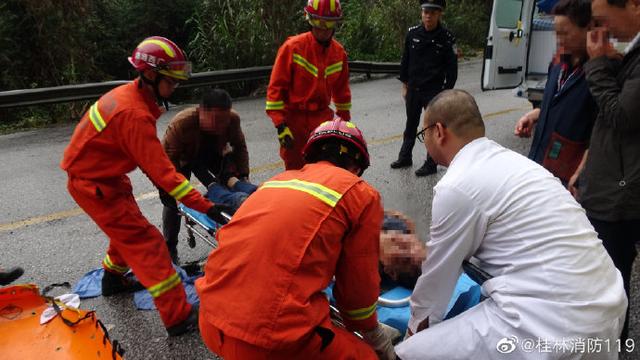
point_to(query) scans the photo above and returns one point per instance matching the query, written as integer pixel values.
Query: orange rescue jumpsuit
(262, 294)
(305, 78)
(115, 136)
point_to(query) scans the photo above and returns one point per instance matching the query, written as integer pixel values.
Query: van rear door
(506, 50)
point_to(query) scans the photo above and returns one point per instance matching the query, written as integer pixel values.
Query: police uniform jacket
(429, 61)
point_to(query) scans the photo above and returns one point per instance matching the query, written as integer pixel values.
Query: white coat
(554, 287)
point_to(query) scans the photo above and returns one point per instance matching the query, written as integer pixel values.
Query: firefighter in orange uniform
(262, 293)
(116, 135)
(310, 71)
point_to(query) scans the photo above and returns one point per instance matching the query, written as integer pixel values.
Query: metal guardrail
(68, 93)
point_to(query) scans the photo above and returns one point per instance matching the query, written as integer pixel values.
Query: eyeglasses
(420, 135)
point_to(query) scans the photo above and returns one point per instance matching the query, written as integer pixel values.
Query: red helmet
(341, 130)
(162, 55)
(323, 13)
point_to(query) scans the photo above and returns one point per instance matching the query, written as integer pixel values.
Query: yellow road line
(153, 194)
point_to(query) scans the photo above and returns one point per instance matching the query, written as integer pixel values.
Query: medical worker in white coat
(555, 293)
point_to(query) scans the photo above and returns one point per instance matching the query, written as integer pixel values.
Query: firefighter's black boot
(113, 284)
(186, 325)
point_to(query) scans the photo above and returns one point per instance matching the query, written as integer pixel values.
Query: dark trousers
(218, 194)
(620, 238)
(415, 102)
(170, 216)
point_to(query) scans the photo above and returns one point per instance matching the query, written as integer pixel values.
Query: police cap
(433, 4)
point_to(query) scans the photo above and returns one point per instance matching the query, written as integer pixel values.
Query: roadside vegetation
(59, 42)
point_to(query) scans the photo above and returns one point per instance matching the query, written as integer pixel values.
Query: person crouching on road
(262, 294)
(310, 71)
(114, 137)
(197, 141)
(552, 280)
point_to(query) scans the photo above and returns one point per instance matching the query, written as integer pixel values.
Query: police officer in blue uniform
(429, 65)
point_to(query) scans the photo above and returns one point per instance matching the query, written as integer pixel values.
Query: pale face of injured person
(401, 251)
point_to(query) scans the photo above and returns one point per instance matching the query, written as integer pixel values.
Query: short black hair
(578, 11)
(618, 3)
(216, 98)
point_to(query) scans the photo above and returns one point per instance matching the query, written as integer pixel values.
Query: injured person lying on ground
(401, 255)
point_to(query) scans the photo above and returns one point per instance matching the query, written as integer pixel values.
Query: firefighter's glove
(381, 340)
(285, 136)
(215, 213)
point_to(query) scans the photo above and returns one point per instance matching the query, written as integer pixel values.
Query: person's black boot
(186, 325)
(428, 168)
(10, 275)
(113, 284)
(401, 163)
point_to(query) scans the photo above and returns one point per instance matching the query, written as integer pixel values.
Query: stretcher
(393, 305)
(201, 226)
(71, 334)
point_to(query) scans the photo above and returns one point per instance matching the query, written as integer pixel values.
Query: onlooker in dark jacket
(208, 142)
(610, 182)
(563, 123)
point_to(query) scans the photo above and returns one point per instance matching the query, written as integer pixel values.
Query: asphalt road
(43, 230)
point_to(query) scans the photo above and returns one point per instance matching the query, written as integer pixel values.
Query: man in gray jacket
(610, 182)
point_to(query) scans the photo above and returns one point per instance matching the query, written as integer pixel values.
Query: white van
(520, 46)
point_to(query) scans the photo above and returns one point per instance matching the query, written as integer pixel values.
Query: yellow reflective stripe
(95, 117)
(361, 314)
(343, 106)
(167, 49)
(333, 5)
(298, 59)
(110, 265)
(181, 190)
(275, 105)
(315, 4)
(165, 285)
(332, 69)
(323, 193)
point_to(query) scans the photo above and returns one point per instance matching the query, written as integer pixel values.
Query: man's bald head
(458, 112)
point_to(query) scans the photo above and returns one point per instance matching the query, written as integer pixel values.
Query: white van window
(508, 13)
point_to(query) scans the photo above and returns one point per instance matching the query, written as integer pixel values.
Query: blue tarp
(91, 286)
(144, 301)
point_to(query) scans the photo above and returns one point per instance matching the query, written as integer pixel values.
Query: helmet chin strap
(154, 84)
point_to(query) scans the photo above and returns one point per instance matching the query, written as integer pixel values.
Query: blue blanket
(465, 295)
(90, 285)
